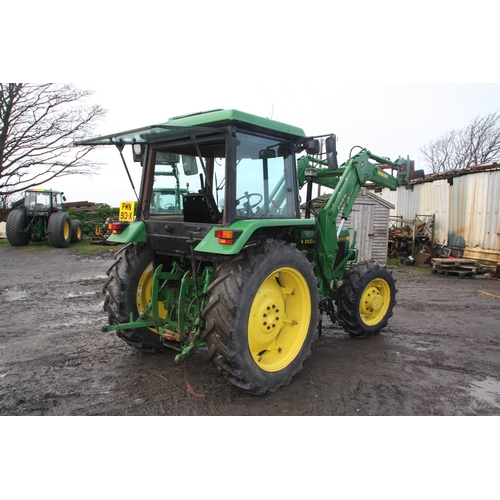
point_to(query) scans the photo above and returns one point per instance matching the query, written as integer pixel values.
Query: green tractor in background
(39, 215)
(242, 270)
(167, 199)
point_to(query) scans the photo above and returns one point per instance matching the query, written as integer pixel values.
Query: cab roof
(202, 122)
(41, 190)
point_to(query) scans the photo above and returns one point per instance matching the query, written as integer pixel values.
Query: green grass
(82, 248)
(415, 270)
(37, 246)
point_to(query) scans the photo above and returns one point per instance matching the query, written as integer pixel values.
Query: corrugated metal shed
(466, 206)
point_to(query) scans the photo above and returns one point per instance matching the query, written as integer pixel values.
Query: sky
(390, 119)
(383, 75)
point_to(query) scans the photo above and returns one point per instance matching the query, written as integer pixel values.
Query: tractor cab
(239, 166)
(167, 201)
(42, 202)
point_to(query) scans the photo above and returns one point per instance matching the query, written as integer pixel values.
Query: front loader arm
(362, 169)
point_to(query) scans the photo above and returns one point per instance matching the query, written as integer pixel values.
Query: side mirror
(189, 165)
(331, 152)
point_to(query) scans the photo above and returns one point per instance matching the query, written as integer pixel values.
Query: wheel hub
(270, 313)
(374, 301)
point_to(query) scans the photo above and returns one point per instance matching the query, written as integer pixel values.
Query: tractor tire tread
(76, 231)
(14, 228)
(223, 312)
(349, 294)
(56, 230)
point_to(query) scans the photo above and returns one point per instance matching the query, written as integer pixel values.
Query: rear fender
(243, 231)
(135, 232)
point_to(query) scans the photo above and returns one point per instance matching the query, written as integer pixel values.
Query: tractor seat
(201, 207)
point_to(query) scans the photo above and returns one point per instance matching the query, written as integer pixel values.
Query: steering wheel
(248, 195)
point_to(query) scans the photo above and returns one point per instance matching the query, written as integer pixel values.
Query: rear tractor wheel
(14, 228)
(76, 231)
(262, 317)
(59, 230)
(366, 299)
(128, 290)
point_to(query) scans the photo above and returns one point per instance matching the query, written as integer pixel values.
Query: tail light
(116, 227)
(227, 236)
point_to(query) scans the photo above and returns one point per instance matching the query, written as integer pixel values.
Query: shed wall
(466, 210)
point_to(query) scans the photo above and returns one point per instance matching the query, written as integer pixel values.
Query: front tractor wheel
(128, 290)
(366, 299)
(262, 317)
(59, 230)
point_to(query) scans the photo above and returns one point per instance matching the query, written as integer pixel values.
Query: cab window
(265, 184)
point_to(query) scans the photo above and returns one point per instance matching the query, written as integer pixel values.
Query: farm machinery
(242, 271)
(165, 199)
(39, 215)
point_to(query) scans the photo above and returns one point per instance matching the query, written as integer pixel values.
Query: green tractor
(242, 271)
(40, 215)
(166, 199)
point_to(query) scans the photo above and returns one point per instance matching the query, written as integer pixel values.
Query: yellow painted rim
(79, 232)
(67, 230)
(375, 302)
(279, 319)
(144, 293)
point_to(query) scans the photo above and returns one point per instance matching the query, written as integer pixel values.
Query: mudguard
(135, 232)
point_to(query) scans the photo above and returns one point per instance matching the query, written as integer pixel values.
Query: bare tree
(478, 142)
(38, 125)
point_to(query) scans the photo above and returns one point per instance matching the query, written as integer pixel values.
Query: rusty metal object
(496, 274)
(423, 259)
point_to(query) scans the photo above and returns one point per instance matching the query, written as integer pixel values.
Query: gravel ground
(440, 354)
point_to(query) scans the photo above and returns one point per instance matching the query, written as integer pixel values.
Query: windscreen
(37, 201)
(265, 184)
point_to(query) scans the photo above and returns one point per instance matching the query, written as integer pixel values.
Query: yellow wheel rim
(279, 319)
(66, 230)
(375, 302)
(143, 294)
(78, 232)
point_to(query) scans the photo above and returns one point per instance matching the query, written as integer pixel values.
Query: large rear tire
(366, 299)
(59, 230)
(76, 231)
(128, 290)
(14, 227)
(262, 316)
